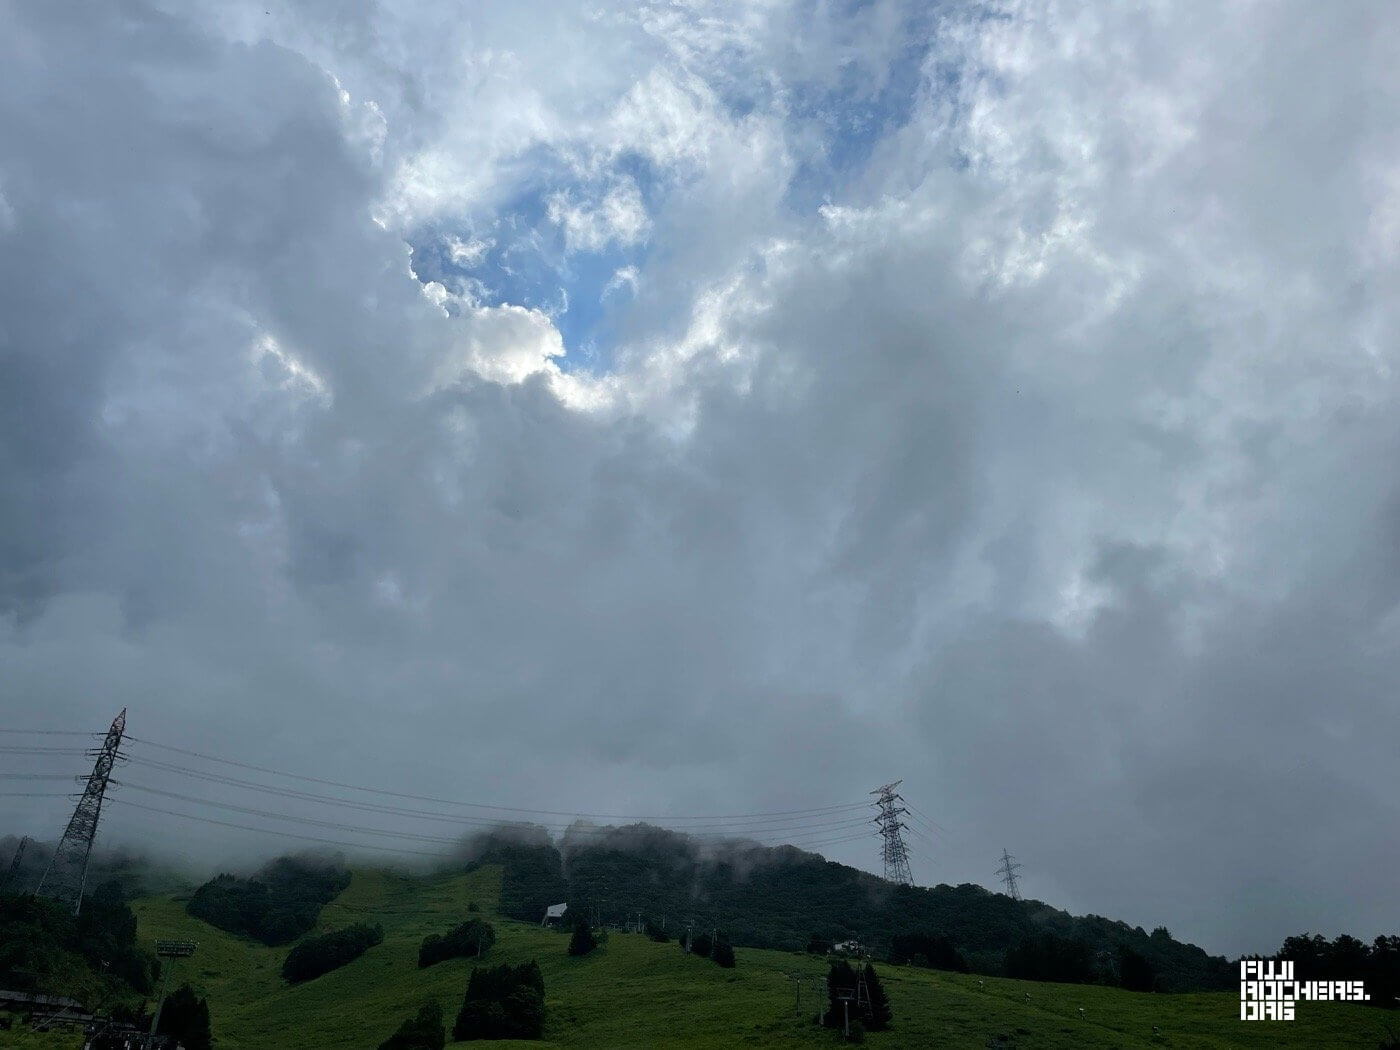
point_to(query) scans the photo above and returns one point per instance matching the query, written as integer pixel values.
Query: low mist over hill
(779, 897)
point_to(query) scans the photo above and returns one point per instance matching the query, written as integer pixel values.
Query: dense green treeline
(44, 948)
(330, 951)
(275, 906)
(780, 898)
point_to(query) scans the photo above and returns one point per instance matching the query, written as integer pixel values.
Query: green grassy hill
(633, 992)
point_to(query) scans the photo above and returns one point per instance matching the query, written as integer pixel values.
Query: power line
(40, 776)
(282, 834)
(481, 805)
(803, 829)
(270, 831)
(821, 833)
(753, 823)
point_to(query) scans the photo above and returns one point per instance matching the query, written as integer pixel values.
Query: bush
(319, 955)
(424, 1032)
(1134, 971)
(1051, 958)
(701, 944)
(880, 1016)
(583, 941)
(471, 938)
(926, 949)
(722, 952)
(276, 906)
(656, 933)
(185, 1018)
(503, 1002)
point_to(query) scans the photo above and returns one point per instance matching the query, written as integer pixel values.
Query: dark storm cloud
(1045, 467)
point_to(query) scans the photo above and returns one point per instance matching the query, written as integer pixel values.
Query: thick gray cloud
(1002, 399)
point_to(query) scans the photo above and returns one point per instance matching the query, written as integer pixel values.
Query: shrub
(722, 952)
(424, 1032)
(319, 955)
(701, 944)
(471, 938)
(583, 941)
(502, 1002)
(656, 933)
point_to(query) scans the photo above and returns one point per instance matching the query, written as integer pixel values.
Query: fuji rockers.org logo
(1268, 990)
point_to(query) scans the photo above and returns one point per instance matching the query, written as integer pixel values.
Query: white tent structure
(554, 913)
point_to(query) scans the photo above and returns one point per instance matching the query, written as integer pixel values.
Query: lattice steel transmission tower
(893, 852)
(12, 876)
(1007, 871)
(66, 876)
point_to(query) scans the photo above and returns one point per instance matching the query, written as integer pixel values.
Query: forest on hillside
(781, 897)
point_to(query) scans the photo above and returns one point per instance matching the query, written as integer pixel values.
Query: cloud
(619, 217)
(1004, 403)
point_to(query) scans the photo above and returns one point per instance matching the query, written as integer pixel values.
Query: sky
(682, 408)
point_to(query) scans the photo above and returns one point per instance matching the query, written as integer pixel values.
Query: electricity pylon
(1007, 871)
(66, 876)
(893, 851)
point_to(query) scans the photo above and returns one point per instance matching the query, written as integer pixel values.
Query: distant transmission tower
(1007, 871)
(66, 876)
(12, 876)
(893, 852)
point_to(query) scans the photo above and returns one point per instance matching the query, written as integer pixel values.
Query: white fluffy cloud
(1004, 403)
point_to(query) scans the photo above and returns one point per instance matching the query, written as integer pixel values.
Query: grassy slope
(636, 993)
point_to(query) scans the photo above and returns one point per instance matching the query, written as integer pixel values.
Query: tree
(185, 1018)
(471, 939)
(44, 948)
(1134, 971)
(583, 941)
(319, 955)
(840, 985)
(277, 905)
(879, 1015)
(1051, 958)
(656, 933)
(701, 944)
(722, 952)
(926, 949)
(424, 1032)
(818, 945)
(503, 1002)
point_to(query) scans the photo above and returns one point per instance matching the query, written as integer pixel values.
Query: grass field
(633, 992)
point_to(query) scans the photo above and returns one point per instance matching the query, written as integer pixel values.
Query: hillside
(778, 897)
(633, 992)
